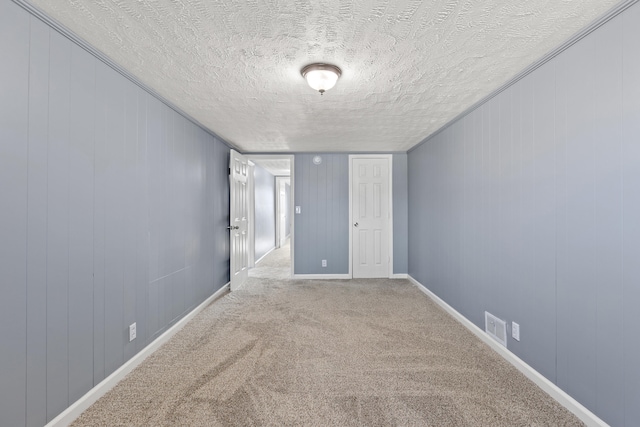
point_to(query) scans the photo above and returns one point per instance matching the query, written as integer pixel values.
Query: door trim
(389, 157)
(251, 188)
(281, 181)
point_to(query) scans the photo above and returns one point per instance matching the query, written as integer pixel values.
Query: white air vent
(496, 328)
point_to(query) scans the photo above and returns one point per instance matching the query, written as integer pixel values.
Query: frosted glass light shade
(321, 77)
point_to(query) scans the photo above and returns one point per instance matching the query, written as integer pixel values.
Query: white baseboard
(74, 411)
(585, 415)
(262, 257)
(340, 276)
(321, 276)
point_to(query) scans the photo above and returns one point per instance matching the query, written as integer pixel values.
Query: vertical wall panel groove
(36, 396)
(81, 172)
(58, 227)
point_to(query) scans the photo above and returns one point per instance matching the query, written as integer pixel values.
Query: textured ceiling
(409, 66)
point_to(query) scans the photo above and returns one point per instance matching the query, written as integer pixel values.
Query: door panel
(371, 217)
(239, 180)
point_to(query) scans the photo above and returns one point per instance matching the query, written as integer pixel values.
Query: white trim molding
(74, 411)
(585, 415)
(321, 276)
(399, 276)
(263, 256)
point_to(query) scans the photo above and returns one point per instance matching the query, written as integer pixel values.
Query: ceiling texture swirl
(408, 66)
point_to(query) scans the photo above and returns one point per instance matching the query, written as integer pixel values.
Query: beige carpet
(324, 353)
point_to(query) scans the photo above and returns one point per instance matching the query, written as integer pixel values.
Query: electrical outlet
(324, 262)
(515, 331)
(132, 332)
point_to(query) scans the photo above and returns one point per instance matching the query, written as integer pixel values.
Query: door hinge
(229, 171)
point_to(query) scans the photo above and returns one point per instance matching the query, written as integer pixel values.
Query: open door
(239, 179)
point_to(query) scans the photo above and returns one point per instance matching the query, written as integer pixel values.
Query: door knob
(232, 227)
(355, 225)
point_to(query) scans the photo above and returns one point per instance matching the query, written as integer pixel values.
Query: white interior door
(371, 217)
(239, 179)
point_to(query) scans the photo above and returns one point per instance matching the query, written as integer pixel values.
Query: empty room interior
(282, 212)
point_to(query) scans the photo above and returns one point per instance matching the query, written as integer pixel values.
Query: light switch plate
(298, 210)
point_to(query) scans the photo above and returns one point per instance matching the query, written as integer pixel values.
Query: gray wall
(265, 211)
(529, 207)
(114, 210)
(322, 229)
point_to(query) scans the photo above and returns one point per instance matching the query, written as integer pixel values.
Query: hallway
(275, 265)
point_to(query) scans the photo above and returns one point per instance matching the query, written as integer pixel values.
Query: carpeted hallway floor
(324, 353)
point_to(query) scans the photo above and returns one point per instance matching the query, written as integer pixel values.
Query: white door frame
(281, 181)
(252, 215)
(351, 221)
(291, 159)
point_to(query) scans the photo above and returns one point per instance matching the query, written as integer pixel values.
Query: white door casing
(282, 211)
(371, 229)
(239, 177)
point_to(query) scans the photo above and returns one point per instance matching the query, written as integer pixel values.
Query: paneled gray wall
(265, 211)
(114, 210)
(322, 229)
(529, 207)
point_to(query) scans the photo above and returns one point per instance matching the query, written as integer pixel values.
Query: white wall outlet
(515, 331)
(298, 209)
(324, 262)
(132, 331)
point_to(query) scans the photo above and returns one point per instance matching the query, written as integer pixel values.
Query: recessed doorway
(271, 210)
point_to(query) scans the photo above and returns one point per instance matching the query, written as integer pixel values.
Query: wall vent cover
(496, 328)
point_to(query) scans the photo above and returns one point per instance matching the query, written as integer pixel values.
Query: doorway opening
(271, 220)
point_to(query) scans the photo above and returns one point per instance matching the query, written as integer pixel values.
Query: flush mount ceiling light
(321, 77)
